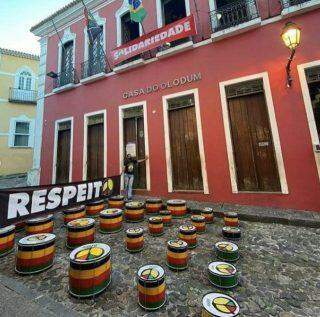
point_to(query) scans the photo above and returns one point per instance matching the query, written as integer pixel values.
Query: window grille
(181, 102)
(244, 88)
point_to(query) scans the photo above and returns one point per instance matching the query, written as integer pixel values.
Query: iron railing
(93, 67)
(64, 78)
(233, 14)
(289, 3)
(22, 96)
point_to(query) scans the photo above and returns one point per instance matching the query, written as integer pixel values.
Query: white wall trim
(308, 106)
(146, 138)
(55, 149)
(85, 141)
(101, 22)
(273, 125)
(12, 128)
(165, 99)
(67, 37)
(160, 11)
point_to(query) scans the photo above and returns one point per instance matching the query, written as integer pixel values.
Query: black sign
(19, 204)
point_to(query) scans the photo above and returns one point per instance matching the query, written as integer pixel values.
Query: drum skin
(110, 220)
(222, 275)
(80, 232)
(134, 212)
(74, 213)
(134, 240)
(188, 233)
(116, 202)
(7, 236)
(166, 217)
(93, 209)
(232, 233)
(177, 254)
(153, 205)
(227, 251)
(39, 225)
(199, 222)
(156, 226)
(231, 219)
(177, 207)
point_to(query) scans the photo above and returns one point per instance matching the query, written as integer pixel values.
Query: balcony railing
(93, 67)
(64, 78)
(233, 14)
(289, 3)
(22, 96)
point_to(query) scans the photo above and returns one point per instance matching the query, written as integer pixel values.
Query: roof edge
(6, 51)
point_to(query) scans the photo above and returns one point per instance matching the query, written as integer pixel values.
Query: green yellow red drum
(227, 251)
(90, 270)
(188, 233)
(134, 240)
(153, 205)
(231, 219)
(80, 232)
(233, 233)
(199, 222)
(207, 212)
(134, 211)
(155, 226)
(94, 208)
(151, 287)
(222, 274)
(116, 202)
(177, 207)
(39, 225)
(74, 213)
(177, 254)
(219, 305)
(7, 235)
(110, 220)
(166, 217)
(35, 253)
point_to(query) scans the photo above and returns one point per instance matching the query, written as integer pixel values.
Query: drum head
(155, 219)
(7, 229)
(134, 231)
(220, 305)
(222, 268)
(176, 202)
(177, 244)
(150, 273)
(207, 210)
(78, 208)
(81, 223)
(226, 246)
(90, 252)
(40, 219)
(231, 214)
(198, 218)
(187, 228)
(235, 230)
(111, 212)
(118, 197)
(154, 200)
(135, 204)
(37, 239)
(165, 212)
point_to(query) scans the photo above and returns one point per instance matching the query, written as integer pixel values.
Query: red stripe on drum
(90, 282)
(88, 238)
(152, 298)
(34, 262)
(176, 261)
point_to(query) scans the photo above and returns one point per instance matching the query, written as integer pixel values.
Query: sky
(18, 16)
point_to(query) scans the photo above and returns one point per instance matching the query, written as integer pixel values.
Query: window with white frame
(21, 134)
(25, 80)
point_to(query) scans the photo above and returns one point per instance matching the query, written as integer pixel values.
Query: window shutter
(11, 132)
(31, 133)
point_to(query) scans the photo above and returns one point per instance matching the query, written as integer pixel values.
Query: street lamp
(291, 35)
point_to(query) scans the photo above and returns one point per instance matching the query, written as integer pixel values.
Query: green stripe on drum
(177, 266)
(89, 292)
(228, 256)
(223, 281)
(114, 230)
(152, 306)
(34, 269)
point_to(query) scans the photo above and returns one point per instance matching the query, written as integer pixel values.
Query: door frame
(309, 111)
(195, 93)
(273, 126)
(55, 149)
(146, 139)
(86, 116)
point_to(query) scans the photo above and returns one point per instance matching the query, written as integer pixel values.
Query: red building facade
(212, 111)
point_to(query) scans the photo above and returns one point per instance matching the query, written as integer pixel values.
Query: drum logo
(107, 187)
(40, 237)
(225, 247)
(224, 305)
(226, 269)
(79, 222)
(90, 253)
(150, 274)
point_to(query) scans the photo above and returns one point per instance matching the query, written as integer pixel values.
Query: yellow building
(18, 98)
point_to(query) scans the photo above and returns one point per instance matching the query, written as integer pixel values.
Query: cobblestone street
(278, 267)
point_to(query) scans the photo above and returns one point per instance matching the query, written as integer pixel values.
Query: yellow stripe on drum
(231, 219)
(153, 205)
(80, 234)
(39, 227)
(75, 216)
(134, 240)
(111, 220)
(151, 290)
(176, 208)
(135, 211)
(155, 226)
(86, 274)
(93, 208)
(7, 238)
(187, 236)
(177, 255)
(28, 255)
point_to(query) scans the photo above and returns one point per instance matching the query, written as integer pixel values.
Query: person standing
(130, 164)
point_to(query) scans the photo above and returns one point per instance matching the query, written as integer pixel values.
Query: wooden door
(95, 151)
(63, 156)
(184, 145)
(134, 133)
(253, 147)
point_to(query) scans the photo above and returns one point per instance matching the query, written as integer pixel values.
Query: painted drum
(20, 226)
(90, 270)
(207, 212)
(116, 202)
(155, 226)
(111, 220)
(219, 305)
(177, 207)
(199, 222)
(74, 213)
(222, 274)
(188, 233)
(233, 233)
(134, 240)
(134, 211)
(7, 240)
(39, 225)
(177, 254)
(94, 208)
(151, 287)
(227, 251)
(231, 219)
(153, 205)
(80, 232)
(35, 253)
(166, 217)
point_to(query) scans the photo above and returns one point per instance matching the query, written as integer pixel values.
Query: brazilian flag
(137, 11)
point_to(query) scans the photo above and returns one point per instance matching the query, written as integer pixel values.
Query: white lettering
(187, 26)
(90, 188)
(82, 192)
(38, 201)
(17, 205)
(54, 198)
(97, 186)
(69, 192)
